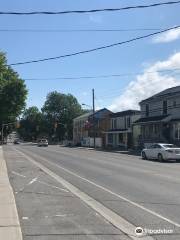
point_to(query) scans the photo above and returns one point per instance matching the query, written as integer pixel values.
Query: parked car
(161, 151)
(16, 141)
(42, 143)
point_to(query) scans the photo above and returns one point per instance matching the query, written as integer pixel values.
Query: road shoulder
(9, 221)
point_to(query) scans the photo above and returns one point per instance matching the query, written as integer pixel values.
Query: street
(51, 185)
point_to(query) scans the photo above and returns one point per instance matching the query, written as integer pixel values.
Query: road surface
(110, 192)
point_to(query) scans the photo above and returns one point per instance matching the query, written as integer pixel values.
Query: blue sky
(131, 58)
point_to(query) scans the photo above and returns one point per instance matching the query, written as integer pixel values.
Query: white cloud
(148, 84)
(169, 36)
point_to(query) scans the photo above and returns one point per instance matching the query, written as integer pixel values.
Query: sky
(141, 65)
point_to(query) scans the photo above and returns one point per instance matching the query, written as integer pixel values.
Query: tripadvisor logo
(139, 231)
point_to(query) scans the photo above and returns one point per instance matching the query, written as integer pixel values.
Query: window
(164, 107)
(174, 103)
(115, 123)
(128, 122)
(120, 137)
(177, 131)
(110, 138)
(147, 110)
(125, 125)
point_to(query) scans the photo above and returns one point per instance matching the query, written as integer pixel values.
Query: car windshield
(169, 146)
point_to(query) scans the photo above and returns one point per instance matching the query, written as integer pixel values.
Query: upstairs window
(147, 110)
(164, 107)
(128, 122)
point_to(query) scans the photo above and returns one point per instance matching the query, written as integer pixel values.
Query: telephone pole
(94, 132)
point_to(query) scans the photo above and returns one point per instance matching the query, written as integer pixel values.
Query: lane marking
(32, 181)
(112, 217)
(103, 160)
(109, 191)
(49, 185)
(18, 174)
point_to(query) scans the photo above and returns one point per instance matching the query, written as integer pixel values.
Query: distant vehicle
(161, 151)
(42, 143)
(16, 141)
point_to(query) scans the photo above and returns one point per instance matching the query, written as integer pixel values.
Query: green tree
(60, 110)
(13, 92)
(32, 124)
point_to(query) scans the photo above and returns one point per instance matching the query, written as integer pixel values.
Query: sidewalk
(9, 221)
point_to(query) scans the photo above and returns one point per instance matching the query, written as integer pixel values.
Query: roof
(166, 92)
(85, 115)
(151, 119)
(125, 113)
(90, 113)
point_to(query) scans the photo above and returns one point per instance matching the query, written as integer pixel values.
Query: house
(160, 118)
(120, 134)
(89, 126)
(79, 130)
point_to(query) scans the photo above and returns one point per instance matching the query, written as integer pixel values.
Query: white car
(42, 143)
(161, 151)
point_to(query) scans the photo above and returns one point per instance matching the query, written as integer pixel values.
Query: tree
(60, 110)
(32, 124)
(13, 92)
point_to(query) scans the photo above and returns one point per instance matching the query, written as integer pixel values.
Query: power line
(88, 11)
(102, 76)
(80, 30)
(95, 49)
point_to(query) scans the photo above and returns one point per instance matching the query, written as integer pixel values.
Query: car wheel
(160, 157)
(144, 156)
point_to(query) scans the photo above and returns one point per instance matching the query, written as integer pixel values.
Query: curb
(9, 221)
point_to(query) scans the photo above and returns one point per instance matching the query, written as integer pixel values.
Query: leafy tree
(60, 110)
(32, 124)
(13, 92)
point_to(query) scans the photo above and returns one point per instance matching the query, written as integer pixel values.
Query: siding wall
(122, 122)
(156, 106)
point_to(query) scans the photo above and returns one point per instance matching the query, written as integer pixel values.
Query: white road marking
(109, 191)
(49, 185)
(18, 174)
(25, 218)
(32, 181)
(108, 214)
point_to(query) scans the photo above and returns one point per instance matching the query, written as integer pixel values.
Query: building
(160, 118)
(88, 126)
(120, 133)
(79, 130)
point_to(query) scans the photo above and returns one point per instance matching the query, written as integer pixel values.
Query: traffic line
(112, 217)
(9, 221)
(109, 191)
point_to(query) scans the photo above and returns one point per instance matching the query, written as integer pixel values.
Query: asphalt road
(143, 193)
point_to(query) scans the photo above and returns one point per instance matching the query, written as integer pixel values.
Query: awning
(161, 118)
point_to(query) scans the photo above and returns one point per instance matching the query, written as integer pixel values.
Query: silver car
(161, 151)
(42, 143)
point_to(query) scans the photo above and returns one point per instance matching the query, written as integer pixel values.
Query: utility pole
(94, 132)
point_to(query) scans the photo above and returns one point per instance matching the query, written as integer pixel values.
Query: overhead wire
(89, 11)
(102, 76)
(95, 49)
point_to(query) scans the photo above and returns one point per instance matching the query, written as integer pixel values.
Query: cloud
(169, 36)
(148, 84)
